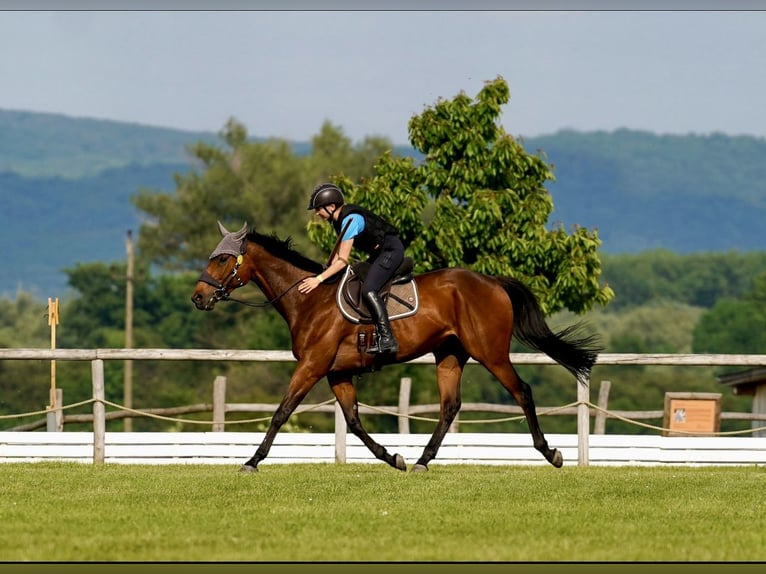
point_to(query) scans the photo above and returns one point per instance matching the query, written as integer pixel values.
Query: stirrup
(391, 347)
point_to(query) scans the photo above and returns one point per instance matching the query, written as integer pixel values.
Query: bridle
(223, 289)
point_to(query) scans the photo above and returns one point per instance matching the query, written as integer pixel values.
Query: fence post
(59, 410)
(583, 421)
(219, 403)
(99, 411)
(50, 421)
(405, 385)
(55, 416)
(340, 435)
(759, 406)
(599, 425)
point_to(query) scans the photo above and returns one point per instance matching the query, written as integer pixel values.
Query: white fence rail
(458, 448)
(606, 449)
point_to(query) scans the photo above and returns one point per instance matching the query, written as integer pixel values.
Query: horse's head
(226, 270)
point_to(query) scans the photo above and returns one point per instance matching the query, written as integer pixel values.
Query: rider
(371, 234)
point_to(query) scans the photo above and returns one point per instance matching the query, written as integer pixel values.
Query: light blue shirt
(355, 227)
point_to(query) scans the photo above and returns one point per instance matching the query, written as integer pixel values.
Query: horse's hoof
(556, 459)
(419, 468)
(399, 462)
(248, 468)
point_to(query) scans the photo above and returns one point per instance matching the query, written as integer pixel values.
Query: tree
(654, 328)
(333, 153)
(266, 184)
(257, 182)
(478, 200)
(23, 384)
(735, 325)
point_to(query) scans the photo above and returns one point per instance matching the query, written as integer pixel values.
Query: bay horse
(463, 314)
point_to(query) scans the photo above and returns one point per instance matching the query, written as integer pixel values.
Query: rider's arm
(340, 260)
(337, 264)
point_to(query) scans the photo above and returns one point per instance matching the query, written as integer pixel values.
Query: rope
(152, 415)
(46, 411)
(692, 433)
(519, 418)
(557, 409)
(192, 421)
(462, 421)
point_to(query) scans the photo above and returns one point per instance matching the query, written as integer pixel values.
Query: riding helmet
(325, 194)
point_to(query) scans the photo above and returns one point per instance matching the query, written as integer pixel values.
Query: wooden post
(59, 413)
(340, 435)
(405, 385)
(99, 411)
(53, 320)
(128, 378)
(55, 415)
(599, 425)
(583, 421)
(455, 426)
(219, 403)
(759, 407)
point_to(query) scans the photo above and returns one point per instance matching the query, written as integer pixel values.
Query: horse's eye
(222, 259)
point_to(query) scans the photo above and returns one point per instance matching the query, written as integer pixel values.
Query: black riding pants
(384, 264)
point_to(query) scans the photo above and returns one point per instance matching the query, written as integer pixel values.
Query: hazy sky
(282, 73)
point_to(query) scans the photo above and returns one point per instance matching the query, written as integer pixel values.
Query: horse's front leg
(344, 390)
(303, 380)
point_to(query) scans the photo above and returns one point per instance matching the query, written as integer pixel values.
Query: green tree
(332, 152)
(735, 325)
(23, 384)
(23, 322)
(478, 200)
(258, 182)
(654, 328)
(264, 183)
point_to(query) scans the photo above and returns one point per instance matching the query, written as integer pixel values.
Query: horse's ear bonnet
(232, 242)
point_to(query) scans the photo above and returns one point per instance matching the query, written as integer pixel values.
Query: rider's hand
(309, 284)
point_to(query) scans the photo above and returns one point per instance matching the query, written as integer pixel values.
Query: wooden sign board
(697, 414)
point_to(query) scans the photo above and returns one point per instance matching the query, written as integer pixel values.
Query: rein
(265, 303)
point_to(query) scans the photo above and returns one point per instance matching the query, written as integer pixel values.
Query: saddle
(400, 294)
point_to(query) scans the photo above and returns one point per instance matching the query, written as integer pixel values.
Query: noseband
(221, 293)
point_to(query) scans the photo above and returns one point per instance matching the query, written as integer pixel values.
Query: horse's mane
(283, 249)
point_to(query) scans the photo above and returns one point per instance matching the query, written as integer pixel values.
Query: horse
(462, 314)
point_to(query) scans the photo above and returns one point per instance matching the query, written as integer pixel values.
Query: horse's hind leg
(345, 392)
(450, 361)
(522, 393)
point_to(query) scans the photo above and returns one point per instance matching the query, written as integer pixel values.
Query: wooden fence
(583, 408)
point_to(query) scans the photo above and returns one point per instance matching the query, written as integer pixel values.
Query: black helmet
(325, 194)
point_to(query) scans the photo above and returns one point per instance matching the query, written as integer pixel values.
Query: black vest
(375, 228)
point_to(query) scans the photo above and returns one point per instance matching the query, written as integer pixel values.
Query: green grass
(369, 512)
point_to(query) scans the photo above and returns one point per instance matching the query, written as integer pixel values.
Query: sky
(283, 73)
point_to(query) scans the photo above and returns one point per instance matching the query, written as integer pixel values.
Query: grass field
(369, 512)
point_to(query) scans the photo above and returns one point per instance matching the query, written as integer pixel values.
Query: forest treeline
(652, 301)
(641, 191)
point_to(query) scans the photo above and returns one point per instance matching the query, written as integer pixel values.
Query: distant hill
(65, 185)
(39, 145)
(643, 191)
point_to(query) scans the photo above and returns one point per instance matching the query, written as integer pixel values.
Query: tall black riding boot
(386, 342)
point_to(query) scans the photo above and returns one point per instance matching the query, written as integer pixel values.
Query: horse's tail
(568, 347)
